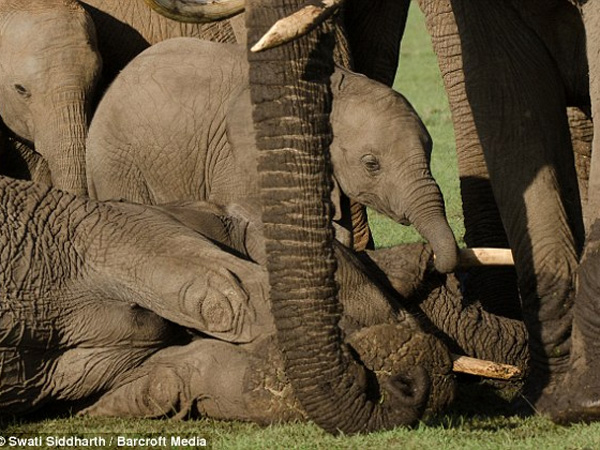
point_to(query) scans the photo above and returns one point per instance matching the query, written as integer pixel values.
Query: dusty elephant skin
(201, 146)
(137, 360)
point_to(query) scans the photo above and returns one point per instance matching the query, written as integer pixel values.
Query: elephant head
(49, 66)
(386, 165)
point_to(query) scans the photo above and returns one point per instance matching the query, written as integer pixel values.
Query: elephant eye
(21, 90)
(371, 163)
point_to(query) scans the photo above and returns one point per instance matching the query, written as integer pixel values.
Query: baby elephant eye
(21, 90)
(371, 163)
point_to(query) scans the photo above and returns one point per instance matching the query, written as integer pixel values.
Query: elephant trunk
(61, 141)
(425, 210)
(290, 92)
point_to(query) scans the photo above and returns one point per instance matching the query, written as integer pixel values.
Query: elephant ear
(241, 138)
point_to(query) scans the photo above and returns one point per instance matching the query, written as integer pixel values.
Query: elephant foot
(578, 398)
(538, 397)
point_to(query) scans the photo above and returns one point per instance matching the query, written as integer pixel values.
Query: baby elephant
(177, 125)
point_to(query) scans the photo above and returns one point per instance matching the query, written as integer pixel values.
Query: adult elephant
(510, 121)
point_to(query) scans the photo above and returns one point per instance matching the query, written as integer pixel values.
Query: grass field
(477, 421)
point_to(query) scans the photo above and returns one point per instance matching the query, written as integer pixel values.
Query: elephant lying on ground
(176, 125)
(122, 309)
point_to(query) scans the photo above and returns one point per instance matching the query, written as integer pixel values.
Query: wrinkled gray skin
(186, 329)
(176, 125)
(101, 304)
(49, 68)
(56, 56)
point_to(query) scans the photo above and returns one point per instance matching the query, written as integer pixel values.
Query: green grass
(454, 432)
(477, 422)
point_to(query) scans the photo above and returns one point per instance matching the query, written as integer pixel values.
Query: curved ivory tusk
(197, 11)
(472, 257)
(483, 368)
(296, 25)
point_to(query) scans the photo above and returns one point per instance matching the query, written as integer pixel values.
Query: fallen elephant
(121, 309)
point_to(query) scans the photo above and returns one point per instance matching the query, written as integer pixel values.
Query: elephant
(527, 127)
(125, 29)
(167, 131)
(516, 163)
(50, 66)
(187, 330)
(57, 58)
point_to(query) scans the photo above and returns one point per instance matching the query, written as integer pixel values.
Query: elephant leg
(591, 18)
(483, 225)
(517, 104)
(525, 139)
(578, 398)
(206, 378)
(383, 22)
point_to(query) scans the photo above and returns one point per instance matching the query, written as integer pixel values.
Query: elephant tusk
(483, 368)
(197, 11)
(473, 257)
(297, 24)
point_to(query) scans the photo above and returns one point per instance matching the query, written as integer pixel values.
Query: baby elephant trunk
(425, 210)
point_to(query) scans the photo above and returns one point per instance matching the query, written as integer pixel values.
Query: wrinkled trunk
(291, 98)
(60, 138)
